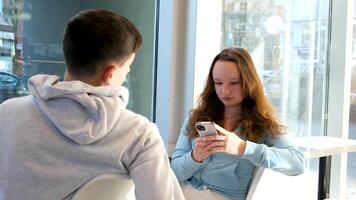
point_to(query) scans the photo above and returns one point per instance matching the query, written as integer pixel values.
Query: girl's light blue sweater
(230, 175)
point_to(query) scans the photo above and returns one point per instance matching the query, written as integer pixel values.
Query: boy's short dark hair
(96, 36)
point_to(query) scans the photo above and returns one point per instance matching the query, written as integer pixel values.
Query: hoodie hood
(82, 112)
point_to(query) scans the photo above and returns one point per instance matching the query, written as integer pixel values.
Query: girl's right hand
(200, 152)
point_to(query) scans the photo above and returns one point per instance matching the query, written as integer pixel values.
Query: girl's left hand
(226, 141)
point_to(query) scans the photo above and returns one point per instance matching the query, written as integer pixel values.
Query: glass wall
(30, 43)
(351, 160)
(288, 41)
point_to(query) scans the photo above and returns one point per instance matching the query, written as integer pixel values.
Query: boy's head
(93, 39)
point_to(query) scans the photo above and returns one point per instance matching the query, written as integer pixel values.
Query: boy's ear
(107, 74)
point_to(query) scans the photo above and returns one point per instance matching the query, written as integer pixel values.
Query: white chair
(257, 174)
(270, 184)
(107, 187)
(120, 187)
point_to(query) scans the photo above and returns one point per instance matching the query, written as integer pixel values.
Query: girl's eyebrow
(232, 79)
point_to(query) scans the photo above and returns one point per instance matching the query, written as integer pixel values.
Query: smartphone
(206, 128)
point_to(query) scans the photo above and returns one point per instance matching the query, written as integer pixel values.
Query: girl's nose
(226, 89)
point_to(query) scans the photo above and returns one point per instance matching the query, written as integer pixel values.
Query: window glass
(351, 160)
(288, 42)
(31, 33)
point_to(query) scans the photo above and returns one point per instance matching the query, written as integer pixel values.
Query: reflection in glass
(31, 34)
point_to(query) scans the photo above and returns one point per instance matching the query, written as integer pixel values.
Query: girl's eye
(235, 82)
(217, 83)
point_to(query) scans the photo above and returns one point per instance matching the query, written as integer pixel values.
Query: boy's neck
(91, 81)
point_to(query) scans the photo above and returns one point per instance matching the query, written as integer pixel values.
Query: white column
(164, 61)
(175, 66)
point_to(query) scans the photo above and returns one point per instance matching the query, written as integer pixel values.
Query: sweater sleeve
(151, 172)
(278, 154)
(182, 163)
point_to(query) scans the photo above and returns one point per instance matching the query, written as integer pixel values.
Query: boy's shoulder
(136, 124)
(16, 103)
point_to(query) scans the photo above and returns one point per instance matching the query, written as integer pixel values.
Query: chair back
(107, 187)
(257, 174)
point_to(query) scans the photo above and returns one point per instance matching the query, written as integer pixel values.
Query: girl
(221, 166)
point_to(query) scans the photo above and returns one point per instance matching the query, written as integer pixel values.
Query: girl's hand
(200, 152)
(226, 141)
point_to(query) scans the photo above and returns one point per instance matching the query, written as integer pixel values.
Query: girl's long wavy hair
(258, 116)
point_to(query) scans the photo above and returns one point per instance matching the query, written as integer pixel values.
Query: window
(288, 41)
(351, 160)
(31, 41)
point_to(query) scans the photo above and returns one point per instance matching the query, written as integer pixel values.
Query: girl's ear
(107, 74)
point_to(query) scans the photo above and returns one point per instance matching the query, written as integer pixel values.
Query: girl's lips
(226, 98)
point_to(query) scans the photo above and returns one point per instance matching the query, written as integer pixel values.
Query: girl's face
(227, 83)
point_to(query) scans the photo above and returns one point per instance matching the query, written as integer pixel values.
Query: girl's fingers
(216, 144)
(213, 137)
(202, 143)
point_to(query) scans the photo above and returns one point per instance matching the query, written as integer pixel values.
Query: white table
(323, 147)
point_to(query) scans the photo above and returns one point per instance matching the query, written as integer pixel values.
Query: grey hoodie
(67, 132)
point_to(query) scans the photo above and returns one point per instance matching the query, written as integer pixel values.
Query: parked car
(11, 86)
